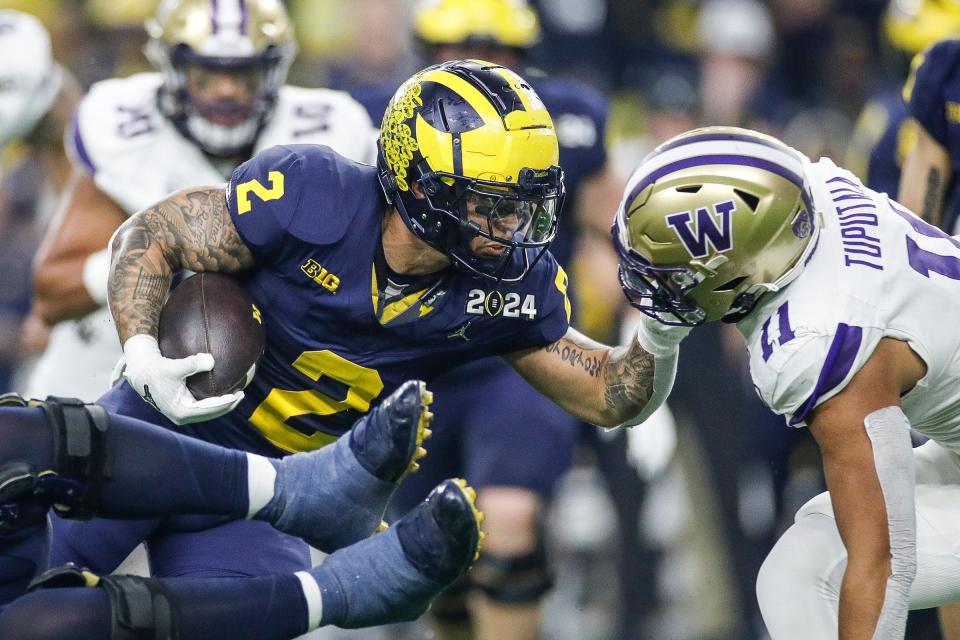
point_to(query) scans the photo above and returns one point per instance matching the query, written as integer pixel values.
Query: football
(212, 313)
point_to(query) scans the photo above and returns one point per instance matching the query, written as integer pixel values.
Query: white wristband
(96, 275)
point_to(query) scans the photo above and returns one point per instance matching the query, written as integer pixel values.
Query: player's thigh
(513, 436)
(204, 547)
(936, 464)
(99, 544)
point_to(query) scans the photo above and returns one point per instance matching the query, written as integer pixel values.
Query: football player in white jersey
(849, 304)
(218, 97)
(37, 97)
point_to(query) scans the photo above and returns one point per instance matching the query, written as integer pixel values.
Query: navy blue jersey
(312, 220)
(579, 115)
(883, 138)
(933, 93)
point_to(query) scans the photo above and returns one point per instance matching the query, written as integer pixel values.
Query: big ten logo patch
(495, 304)
(319, 274)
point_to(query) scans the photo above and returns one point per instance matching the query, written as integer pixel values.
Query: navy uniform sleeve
(549, 286)
(291, 195)
(923, 91)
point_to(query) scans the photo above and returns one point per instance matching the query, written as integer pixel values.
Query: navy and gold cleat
(388, 440)
(394, 575)
(336, 496)
(442, 536)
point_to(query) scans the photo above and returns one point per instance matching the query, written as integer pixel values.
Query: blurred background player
(38, 97)
(928, 184)
(514, 450)
(884, 134)
(217, 97)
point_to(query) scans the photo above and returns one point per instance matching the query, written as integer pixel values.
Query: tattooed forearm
(933, 196)
(575, 357)
(628, 380)
(189, 230)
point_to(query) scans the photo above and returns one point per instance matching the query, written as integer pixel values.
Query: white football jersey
(137, 157)
(877, 270)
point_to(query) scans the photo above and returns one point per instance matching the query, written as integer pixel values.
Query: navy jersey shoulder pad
(304, 192)
(923, 90)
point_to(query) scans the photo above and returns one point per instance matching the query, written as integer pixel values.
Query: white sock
(261, 483)
(311, 593)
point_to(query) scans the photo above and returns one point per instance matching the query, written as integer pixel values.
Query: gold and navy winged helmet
(466, 151)
(501, 23)
(251, 38)
(711, 220)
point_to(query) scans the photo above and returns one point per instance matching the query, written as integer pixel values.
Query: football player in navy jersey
(515, 451)
(365, 276)
(83, 461)
(885, 134)
(928, 184)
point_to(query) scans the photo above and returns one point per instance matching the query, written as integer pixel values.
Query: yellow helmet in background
(249, 37)
(466, 146)
(502, 23)
(913, 25)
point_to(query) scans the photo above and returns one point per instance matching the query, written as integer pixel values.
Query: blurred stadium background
(660, 537)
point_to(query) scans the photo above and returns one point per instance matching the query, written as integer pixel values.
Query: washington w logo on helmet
(712, 219)
(468, 156)
(707, 232)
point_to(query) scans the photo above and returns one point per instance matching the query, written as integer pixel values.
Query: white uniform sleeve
(797, 376)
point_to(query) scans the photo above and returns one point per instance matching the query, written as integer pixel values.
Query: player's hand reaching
(162, 382)
(659, 339)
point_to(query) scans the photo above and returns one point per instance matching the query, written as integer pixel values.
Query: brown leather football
(212, 313)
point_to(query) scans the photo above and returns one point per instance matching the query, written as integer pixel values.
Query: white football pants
(798, 586)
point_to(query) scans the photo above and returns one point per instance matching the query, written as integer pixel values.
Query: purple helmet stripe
(214, 26)
(745, 161)
(243, 16)
(840, 358)
(79, 147)
(723, 137)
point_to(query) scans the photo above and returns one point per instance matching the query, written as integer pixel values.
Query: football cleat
(336, 496)
(388, 441)
(394, 575)
(442, 536)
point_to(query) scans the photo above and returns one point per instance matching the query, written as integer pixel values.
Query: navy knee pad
(513, 579)
(82, 460)
(141, 608)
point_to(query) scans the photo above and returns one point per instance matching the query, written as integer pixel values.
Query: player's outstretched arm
(603, 385)
(192, 230)
(189, 230)
(70, 270)
(926, 174)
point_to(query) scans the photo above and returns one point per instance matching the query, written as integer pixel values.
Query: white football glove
(659, 339)
(162, 382)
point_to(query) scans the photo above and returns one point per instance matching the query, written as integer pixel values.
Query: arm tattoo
(576, 357)
(628, 380)
(932, 196)
(189, 230)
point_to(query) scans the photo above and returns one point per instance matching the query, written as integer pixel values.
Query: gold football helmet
(711, 220)
(223, 62)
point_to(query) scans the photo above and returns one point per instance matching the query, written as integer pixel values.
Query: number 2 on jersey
(244, 189)
(270, 416)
